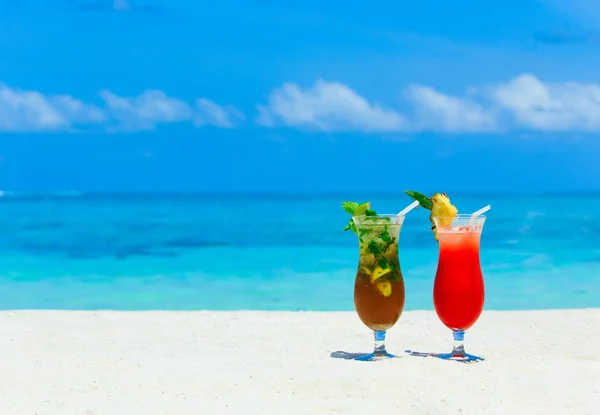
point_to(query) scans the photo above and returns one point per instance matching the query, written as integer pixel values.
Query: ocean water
(276, 253)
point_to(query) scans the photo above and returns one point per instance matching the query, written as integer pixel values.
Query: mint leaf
(361, 233)
(350, 207)
(424, 201)
(356, 209)
(383, 262)
(385, 235)
(350, 227)
(374, 248)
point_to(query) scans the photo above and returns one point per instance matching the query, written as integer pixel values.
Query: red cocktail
(458, 291)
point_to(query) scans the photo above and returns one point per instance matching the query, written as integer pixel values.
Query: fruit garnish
(375, 274)
(365, 270)
(378, 272)
(376, 242)
(361, 209)
(440, 207)
(385, 288)
(356, 209)
(443, 209)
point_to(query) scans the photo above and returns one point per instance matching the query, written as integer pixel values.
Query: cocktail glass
(379, 286)
(458, 291)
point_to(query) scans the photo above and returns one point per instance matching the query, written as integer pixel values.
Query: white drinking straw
(480, 211)
(407, 209)
(477, 213)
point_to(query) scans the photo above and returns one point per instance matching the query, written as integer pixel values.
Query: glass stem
(379, 344)
(458, 349)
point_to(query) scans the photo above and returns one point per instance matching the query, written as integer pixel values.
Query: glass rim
(379, 215)
(387, 219)
(460, 216)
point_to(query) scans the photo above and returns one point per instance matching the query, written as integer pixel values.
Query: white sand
(159, 363)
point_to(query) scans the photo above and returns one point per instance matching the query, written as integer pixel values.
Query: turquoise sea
(128, 252)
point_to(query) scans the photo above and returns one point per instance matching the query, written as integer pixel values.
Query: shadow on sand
(369, 356)
(466, 358)
(347, 355)
(422, 354)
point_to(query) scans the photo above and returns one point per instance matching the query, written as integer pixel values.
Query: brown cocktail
(379, 286)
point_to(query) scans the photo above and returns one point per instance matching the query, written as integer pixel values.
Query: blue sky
(265, 96)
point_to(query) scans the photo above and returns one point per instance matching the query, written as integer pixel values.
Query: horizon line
(9, 194)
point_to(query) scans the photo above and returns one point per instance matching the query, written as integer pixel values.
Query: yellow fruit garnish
(365, 270)
(378, 272)
(385, 288)
(443, 209)
(361, 209)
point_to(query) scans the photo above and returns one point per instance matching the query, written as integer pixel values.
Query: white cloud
(210, 113)
(153, 107)
(522, 103)
(146, 110)
(539, 106)
(439, 112)
(327, 106)
(32, 111)
(22, 111)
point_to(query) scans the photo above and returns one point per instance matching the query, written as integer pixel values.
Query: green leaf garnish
(350, 207)
(385, 235)
(356, 209)
(374, 248)
(424, 201)
(351, 226)
(383, 262)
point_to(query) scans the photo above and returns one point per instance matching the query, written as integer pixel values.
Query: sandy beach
(157, 363)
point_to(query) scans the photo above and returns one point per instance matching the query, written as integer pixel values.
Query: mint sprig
(356, 209)
(424, 201)
(379, 247)
(350, 207)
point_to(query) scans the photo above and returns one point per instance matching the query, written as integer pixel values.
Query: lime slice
(362, 209)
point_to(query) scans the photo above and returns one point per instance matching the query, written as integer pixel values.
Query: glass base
(379, 352)
(372, 357)
(462, 358)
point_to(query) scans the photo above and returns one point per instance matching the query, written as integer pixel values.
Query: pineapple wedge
(378, 272)
(441, 208)
(385, 288)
